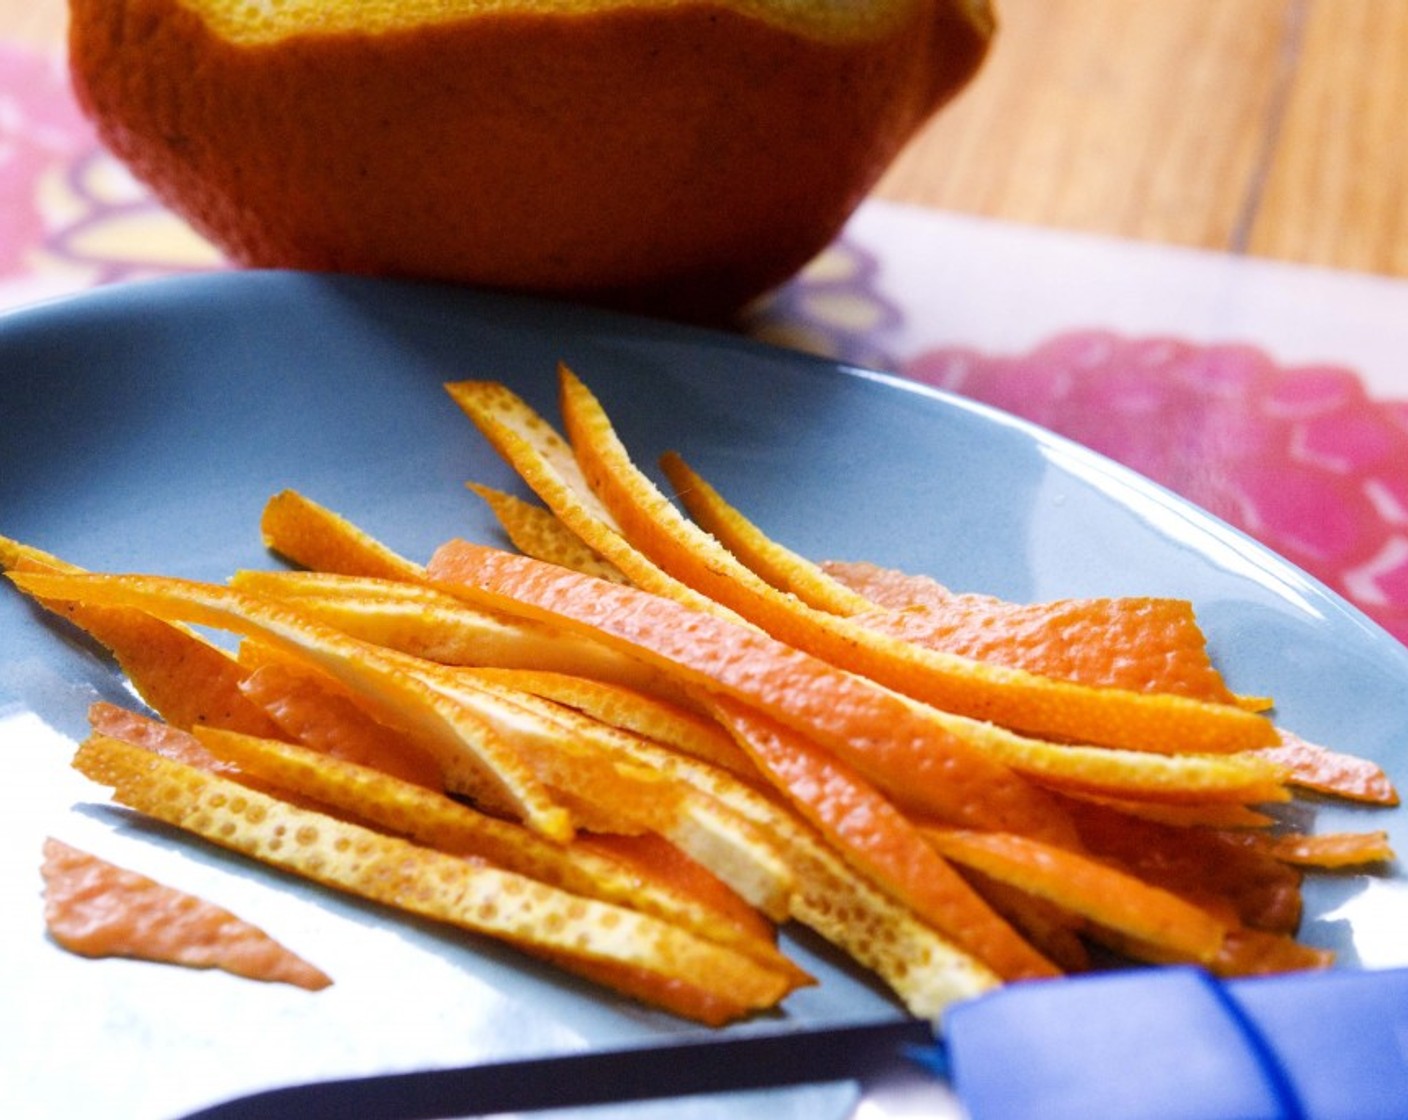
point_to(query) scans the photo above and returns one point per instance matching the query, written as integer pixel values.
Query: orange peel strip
(1320, 770)
(1325, 852)
(1093, 890)
(880, 843)
(141, 730)
(914, 754)
(429, 624)
(1245, 952)
(1140, 643)
(1013, 698)
(472, 758)
(1222, 873)
(1202, 814)
(629, 710)
(1254, 952)
(1180, 779)
(310, 708)
(1144, 645)
(781, 567)
(538, 532)
(887, 587)
(707, 830)
(663, 963)
(178, 673)
(587, 867)
(309, 534)
(97, 909)
(530, 445)
(1052, 930)
(924, 968)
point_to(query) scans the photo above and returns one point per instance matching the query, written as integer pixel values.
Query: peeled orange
(673, 156)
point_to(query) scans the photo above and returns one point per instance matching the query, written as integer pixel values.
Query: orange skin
(894, 745)
(679, 161)
(877, 839)
(96, 909)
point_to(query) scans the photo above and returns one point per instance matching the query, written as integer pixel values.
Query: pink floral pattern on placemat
(67, 208)
(40, 129)
(1299, 457)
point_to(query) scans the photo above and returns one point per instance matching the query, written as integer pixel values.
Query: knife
(1145, 1044)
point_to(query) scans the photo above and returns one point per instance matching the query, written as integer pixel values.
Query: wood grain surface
(1277, 128)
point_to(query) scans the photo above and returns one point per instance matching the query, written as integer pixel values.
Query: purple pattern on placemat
(1299, 457)
(40, 129)
(68, 206)
(833, 308)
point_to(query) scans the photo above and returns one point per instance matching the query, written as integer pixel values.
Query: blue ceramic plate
(143, 428)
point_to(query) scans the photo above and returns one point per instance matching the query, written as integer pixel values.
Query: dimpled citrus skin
(679, 157)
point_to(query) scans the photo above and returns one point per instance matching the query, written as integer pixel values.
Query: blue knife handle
(1176, 1043)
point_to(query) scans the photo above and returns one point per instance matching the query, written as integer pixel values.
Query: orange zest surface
(662, 963)
(536, 531)
(534, 449)
(780, 566)
(469, 753)
(313, 535)
(905, 749)
(1145, 914)
(1317, 768)
(421, 138)
(1014, 698)
(97, 909)
(1144, 644)
(154, 735)
(876, 837)
(1328, 850)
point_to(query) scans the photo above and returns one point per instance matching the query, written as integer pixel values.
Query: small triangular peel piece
(96, 909)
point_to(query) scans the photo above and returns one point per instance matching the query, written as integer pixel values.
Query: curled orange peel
(538, 532)
(1014, 698)
(877, 839)
(784, 569)
(540, 456)
(310, 534)
(919, 756)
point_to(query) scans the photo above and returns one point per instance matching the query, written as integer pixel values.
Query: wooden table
(1277, 128)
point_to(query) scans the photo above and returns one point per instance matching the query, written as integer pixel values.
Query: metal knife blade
(867, 1053)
